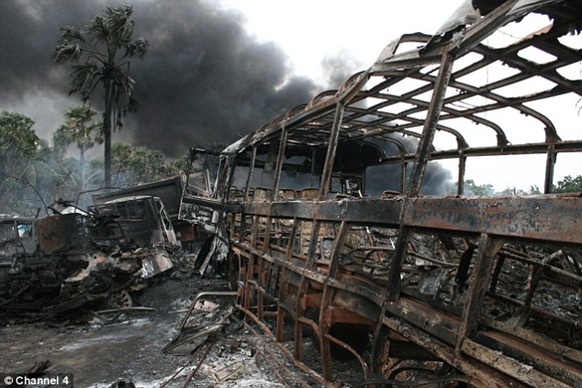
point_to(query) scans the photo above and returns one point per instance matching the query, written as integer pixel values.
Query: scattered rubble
(76, 258)
(124, 348)
(337, 278)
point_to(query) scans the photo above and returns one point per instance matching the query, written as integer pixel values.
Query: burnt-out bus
(341, 234)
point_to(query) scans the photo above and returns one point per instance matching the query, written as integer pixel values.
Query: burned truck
(169, 192)
(333, 232)
(75, 258)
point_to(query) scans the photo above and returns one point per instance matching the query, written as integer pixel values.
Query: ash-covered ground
(126, 349)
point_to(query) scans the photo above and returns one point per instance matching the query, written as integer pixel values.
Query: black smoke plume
(204, 79)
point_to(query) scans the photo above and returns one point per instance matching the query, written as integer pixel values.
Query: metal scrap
(75, 258)
(335, 234)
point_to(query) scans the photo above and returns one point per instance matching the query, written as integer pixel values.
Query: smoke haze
(204, 79)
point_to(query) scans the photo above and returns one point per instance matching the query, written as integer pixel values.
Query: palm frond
(70, 33)
(120, 24)
(120, 17)
(67, 52)
(85, 77)
(98, 29)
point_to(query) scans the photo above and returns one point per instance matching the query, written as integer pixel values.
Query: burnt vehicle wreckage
(75, 258)
(322, 221)
(419, 289)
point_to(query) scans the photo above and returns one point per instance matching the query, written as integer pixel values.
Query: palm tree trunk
(82, 161)
(107, 129)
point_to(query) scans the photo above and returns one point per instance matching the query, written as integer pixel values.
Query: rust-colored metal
(72, 258)
(63, 233)
(474, 287)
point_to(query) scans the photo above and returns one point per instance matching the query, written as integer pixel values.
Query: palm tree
(79, 129)
(99, 55)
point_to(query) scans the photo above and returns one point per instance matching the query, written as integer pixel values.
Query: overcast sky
(216, 69)
(311, 31)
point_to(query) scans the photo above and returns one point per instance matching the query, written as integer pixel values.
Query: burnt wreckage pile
(321, 219)
(74, 258)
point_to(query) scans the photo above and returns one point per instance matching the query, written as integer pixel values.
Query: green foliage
(568, 185)
(33, 174)
(134, 164)
(181, 164)
(99, 55)
(487, 189)
(78, 129)
(535, 189)
(508, 191)
(17, 138)
(19, 147)
(471, 188)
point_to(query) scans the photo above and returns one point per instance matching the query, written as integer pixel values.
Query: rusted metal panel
(168, 190)
(443, 273)
(516, 217)
(63, 233)
(155, 263)
(482, 376)
(551, 218)
(373, 210)
(512, 367)
(86, 258)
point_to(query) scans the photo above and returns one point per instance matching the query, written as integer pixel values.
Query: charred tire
(119, 300)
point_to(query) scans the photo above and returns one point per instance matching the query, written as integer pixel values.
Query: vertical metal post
(402, 173)
(280, 159)
(224, 177)
(230, 167)
(324, 311)
(284, 281)
(481, 276)
(243, 223)
(550, 163)
(344, 95)
(420, 162)
(434, 111)
(331, 151)
(461, 176)
(250, 175)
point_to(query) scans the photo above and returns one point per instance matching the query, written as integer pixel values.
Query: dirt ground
(121, 350)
